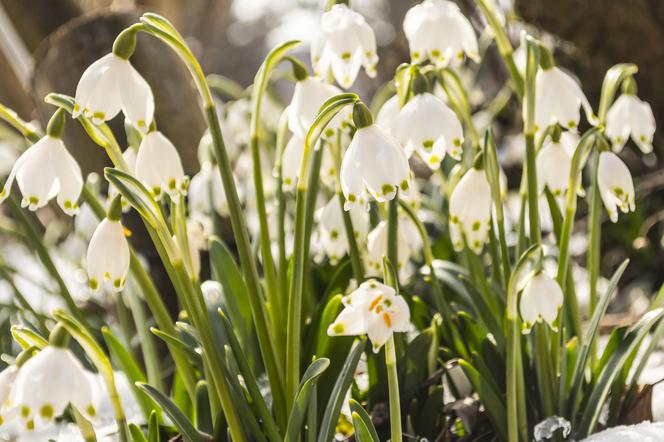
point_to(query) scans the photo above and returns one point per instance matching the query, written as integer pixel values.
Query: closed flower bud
(540, 300)
(50, 381)
(426, 125)
(46, 170)
(629, 116)
(375, 160)
(108, 255)
(615, 185)
(437, 30)
(558, 98)
(159, 168)
(373, 309)
(308, 97)
(470, 211)
(111, 84)
(345, 44)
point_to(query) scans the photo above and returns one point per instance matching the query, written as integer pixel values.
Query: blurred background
(45, 45)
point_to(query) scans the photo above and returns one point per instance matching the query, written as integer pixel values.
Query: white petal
(158, 166)
(108, 255)
(69, 177)
(137, 98)
(36, 177)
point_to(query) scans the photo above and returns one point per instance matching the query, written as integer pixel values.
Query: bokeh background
(46, 44)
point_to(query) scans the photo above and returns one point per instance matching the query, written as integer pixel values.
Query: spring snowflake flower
(308, 97)
(373, 309)
(375, 160)
(437, 30)
(629, 116)
(345, 44)
(615, 185)
(470, 211)
(388, 115)
(540, 300)
(47, 170)
(159, 168)
(409, 244)
(554, 162)
(426, 125)
(50, 381)
(7, 377)
(108, 251)
(111, 84)
(332, 232)
(206, 192)
(558, 98)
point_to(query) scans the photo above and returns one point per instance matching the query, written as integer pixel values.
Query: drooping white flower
(373, 309)
(212, 292)
(428, 126)
(108, 254)
(159, 168)
(554, 162)
(129, 156)
(388, 115)
(375, 160)
(332, 232)
(615, 185)
(238, 121)
(206, 191)
(629, 116)
(438, 31)
(291, 162)
(46, 170)
(111, 84)
(409, 244)
(345, 44)
(540, 300)
(7, 377)
(558, 98)
(48, 382)
(470, 211)
(308, 97)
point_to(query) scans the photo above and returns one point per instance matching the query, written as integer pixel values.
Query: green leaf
(613, 367)
(136, 433)
(203, 412)
(153, 428)
(490, 398)
(301, 403)
(178, 343)
(364, 427)
(182, 422)
(591, 334)
(131, 369)
(338, 394)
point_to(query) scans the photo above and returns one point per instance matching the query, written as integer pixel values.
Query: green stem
(594, 245)
(532, 191)
(396, 434)
(392, 233)
(544, 369)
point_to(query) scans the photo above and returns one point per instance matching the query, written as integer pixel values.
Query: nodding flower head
(615, 185)
(345, 44)
(470, 211)
(559, 97)
(159, 168)
(629, 116)
(308, 97)
(332, 232)
(373, 309)
(540, 300)
(437, 30)
(44, 171)
(554, 161)
(374, 160)
(111, 84)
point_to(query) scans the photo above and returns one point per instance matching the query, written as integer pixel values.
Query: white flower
(373, 309)
(557, 100)
(108, 255)
(111, 84)
(629, 116)
(554, 162)
(428, 126)
(159, 168)
(615, 185)
(206, 191)
(238, 121)
(540, 300)
(7, 377)
(332, 232)
(291, 162)
(308, 97)
(409, 243)
(345, 43)
(438, 31)
(388, 115)
(129, 156)
(48, 382)
(46, 170)
(212, 292)
(374, 159)
(470, 211)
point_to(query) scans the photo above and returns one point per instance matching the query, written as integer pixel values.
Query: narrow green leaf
(178, 343)
(203, 412)
(370, 433)
(301, 403)
(136, 433)
(153, 428)
(490, 398)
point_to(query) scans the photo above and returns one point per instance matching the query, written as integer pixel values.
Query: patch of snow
(643, 432)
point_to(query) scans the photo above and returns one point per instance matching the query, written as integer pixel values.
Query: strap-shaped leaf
(178, 343)
(490, 398)
(136, 433)
(301, 403)
(153, 428)
(338, 394)
(182, 422)
(364, 427)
